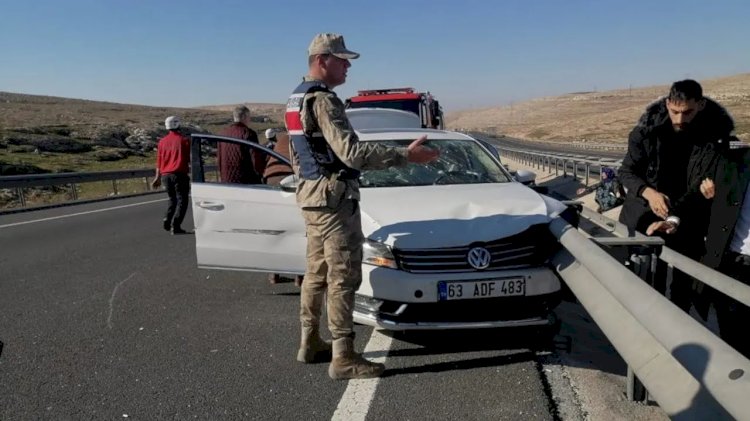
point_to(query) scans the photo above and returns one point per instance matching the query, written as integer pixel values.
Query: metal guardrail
(73, 180)
(21, 182)
(38, 180)
(580, 166)
(660, 342)
(715, 279)
(576, 165)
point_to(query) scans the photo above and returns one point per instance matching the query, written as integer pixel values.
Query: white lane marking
(112, 299)
(356, 400)
(80, 213)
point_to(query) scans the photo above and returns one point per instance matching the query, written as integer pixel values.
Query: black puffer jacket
(654, 160)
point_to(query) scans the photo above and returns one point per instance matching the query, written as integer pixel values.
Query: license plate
(485, 288)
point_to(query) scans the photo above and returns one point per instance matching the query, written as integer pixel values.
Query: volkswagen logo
(479, 258)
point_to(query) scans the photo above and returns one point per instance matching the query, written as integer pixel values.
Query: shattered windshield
(462, 161)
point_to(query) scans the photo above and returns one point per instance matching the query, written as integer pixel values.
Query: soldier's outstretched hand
(420, 154)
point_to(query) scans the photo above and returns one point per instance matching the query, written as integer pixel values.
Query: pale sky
(467, 53)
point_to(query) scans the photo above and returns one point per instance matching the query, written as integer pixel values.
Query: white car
(454, 244)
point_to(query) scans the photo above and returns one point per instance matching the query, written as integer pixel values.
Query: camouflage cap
(332, 44)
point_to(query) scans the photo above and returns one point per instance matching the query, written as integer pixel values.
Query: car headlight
(378, 254)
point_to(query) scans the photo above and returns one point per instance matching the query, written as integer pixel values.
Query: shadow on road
(495, 361)
(447, 342)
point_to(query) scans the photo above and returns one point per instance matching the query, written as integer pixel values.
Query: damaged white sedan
(454, 244)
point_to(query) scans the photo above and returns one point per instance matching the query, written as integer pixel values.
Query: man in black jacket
(670, 151)
(727, 239)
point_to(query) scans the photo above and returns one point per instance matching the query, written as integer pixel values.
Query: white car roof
(391, 124)
(400, 134)
(376, 118)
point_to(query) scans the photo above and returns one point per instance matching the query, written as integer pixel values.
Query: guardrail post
(21, 197)
(575, 170)
(636, 391)
(74, 191)
(565, 167)
(556, 172)
(145, 181)
(642, 259)
(114, 187)
(588, 169)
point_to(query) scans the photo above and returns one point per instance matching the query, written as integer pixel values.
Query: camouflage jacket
(324, 112)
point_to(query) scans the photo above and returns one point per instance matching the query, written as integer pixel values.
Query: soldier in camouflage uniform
(327, 156)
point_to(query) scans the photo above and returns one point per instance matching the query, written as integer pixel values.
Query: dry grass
(605, 117)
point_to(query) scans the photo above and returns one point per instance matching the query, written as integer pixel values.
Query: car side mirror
(289, 183)
(525, 177)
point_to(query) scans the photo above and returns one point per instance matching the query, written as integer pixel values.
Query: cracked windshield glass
(462, 161)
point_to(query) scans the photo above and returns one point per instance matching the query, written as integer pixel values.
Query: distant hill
(44, 133)
(605, 117)
(28, 111)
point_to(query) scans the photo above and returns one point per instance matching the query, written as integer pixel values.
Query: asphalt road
(105, 316)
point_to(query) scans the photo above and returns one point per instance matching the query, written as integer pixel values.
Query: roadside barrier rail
(688, 370)
(72, 181)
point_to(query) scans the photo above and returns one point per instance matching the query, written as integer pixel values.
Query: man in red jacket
(172, 157)
(240, 164)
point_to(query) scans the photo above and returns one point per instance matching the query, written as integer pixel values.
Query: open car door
(253, 227)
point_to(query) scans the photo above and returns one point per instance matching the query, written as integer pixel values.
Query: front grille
(531, 247)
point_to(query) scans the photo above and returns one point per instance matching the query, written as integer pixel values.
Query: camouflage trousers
(334, 267)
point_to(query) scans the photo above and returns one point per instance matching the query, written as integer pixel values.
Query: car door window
(225, 160)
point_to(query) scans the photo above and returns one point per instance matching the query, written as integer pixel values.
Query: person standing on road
(172, 158)
(239, 164)
(327, 157)
(670, 151)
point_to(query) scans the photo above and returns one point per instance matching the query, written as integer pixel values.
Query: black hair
(685, 90)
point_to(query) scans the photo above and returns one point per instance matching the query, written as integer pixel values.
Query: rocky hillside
(42, 133)
(604, 117)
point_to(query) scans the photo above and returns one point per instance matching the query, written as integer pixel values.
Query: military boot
(312, 348)
(347, 364)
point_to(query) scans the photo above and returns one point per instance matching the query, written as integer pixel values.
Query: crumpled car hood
(452, 215)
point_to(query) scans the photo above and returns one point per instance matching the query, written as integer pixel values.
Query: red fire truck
(420, 103)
